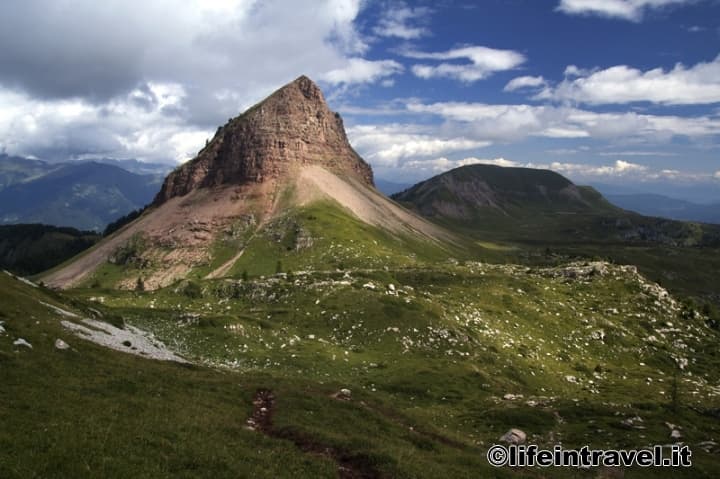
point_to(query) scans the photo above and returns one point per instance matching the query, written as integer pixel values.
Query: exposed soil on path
(350, 466)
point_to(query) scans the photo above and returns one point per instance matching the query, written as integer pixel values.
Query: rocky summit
(293, 127)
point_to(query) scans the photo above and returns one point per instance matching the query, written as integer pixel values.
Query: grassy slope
(440, 355)
(336, 240)
(437, 357)
(681, 255)
(114, 415)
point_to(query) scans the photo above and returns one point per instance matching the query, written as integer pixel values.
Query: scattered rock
(138, 342)
(391, 287)
(343, 394)
(512, 397)
(261, 418)
(22, 342)
(707, 446)
(514, 436)
(571, 379)
(60, 344)
(2, 329)
(632, 423)
(675, 434)
(582, 270)
(598, 335)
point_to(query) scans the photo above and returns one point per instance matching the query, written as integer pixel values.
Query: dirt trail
(225, 267)
(349, 466)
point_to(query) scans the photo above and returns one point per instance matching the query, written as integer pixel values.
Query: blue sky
(603, 91)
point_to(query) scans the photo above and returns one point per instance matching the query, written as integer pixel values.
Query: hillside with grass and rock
(272, 314)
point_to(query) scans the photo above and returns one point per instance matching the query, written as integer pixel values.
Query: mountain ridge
(467, 191)
(85, 195)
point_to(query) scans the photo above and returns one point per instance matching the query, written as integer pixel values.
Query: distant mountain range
(389, 188)
(666, 207)
(699, 192)
(86, 195)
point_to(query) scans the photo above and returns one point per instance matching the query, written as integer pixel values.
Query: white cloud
(137, 125)
(637, 153)
(717, 175)
(619, 169)
(563, 151)
(575, 171)
(442, 164)
(524, 82)
(632, 10)
(699, 84)
(483, 63)
(391, 145)
(575, 71)
(175, 70)
(503, 122)
(510, 122)
(401, 21)
(359, 70)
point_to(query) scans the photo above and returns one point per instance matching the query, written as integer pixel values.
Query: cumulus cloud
(575, 71)
(442, 164)
(511, 122)
(525, 82)
(575, 171)
(152, 80)
(484, 62)
(632, 10)
(141, 124)
(391, 145)
(699, 84)
(402, 21)
(620, 169)
(359, 70)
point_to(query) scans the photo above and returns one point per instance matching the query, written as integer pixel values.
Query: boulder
(22, 342)
(343, 394)
(514, 436)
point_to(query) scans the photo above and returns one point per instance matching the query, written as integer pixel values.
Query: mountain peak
(308, 87)
(292, 127)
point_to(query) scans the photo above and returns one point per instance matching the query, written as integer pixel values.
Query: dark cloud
(70, 49)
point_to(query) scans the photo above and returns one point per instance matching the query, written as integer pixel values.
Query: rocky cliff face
(290, 128)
